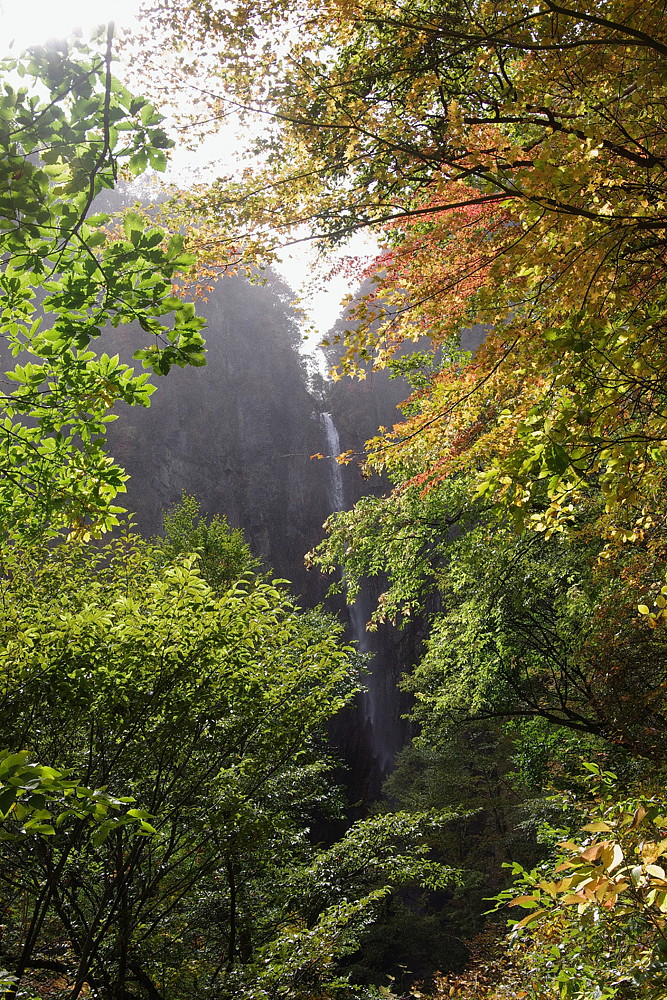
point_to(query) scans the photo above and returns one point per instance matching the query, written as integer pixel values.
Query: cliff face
(238, 434)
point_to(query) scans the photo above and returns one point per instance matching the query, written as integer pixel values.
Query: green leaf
(7, 799)
(133, 223)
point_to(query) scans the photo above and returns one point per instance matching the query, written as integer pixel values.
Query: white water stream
(336, 494)
(374, 695)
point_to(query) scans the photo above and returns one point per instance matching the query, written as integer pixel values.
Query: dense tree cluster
(66, 132)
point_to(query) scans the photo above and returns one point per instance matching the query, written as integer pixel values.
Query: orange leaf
(520, 900)
(638, 816)
(593, 852)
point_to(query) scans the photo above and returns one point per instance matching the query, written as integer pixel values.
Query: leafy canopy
(66, 130)
(516, 155)
(223, 552)
(209, 709)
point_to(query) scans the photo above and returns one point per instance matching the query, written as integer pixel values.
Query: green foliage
(534, 627)
(468, 772)
(209, 710)
(403, 537)
(65, 132)
(223, 553)
(521, 624)
(341, 894)
(509, 641)
(536, 643)
(203, 708)
(35, 799)
(596, 913)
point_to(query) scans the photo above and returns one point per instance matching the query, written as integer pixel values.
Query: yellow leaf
(520, 900)
(650, 851)
(531, 918)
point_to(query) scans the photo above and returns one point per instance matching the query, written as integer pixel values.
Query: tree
(223, 553)
(203, 708)
(209, 710)
(518, 153)
(520, 625)
(602, 897)
(64, 275)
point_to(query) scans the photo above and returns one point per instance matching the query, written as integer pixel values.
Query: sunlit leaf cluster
(67, 129)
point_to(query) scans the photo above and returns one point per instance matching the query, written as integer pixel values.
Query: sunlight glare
(33, 22)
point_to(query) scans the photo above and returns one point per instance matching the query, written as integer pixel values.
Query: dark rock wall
(238, 434)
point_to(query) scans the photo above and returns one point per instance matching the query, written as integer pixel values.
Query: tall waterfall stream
(378, 683)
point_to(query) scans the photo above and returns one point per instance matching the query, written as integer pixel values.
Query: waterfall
(378, 694)
(336, 495)
(378, 697)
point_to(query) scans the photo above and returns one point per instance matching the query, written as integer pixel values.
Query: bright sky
(26, 22)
